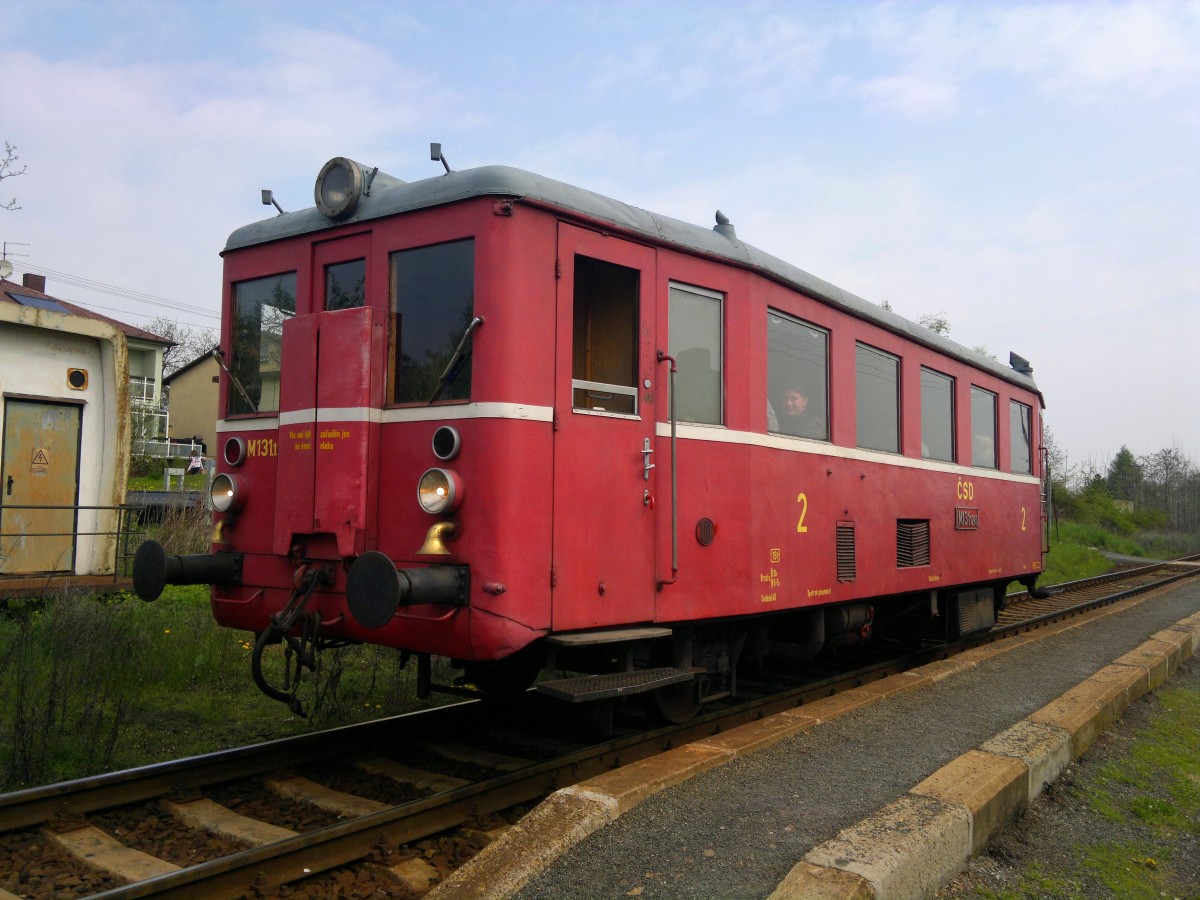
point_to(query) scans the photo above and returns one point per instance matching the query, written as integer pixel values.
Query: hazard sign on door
(41, 461)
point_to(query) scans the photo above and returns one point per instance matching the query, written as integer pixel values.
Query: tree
(189, 342)
(1124, 477)
(8, 170)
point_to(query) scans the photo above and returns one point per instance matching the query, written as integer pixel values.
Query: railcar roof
(504, 181)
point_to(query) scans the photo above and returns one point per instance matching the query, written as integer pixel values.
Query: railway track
(396, 809)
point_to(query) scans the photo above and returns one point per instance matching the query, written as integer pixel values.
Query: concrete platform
(880, 792)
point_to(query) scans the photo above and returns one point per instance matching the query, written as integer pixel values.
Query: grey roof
(719, 242)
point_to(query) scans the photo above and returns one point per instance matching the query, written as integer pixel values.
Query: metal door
(40, 469)
(605, 473)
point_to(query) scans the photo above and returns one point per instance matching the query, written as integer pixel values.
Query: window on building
(433, 304)
(259, 310)
(345, 284)
(937, 416)
(983, 428)
(605, 343)
(696, 344)
(878, 398)
(797, 377)
(1020, 419)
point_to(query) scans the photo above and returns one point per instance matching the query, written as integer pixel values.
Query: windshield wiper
(461, 354)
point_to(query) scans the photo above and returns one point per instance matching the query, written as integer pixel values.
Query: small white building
(65, 421)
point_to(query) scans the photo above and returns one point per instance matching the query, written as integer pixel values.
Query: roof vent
(724, 227)
(1020, 364)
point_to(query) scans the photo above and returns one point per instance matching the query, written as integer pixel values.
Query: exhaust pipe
(153, 569)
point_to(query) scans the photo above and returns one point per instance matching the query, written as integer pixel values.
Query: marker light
(225, 494)
(439, 491)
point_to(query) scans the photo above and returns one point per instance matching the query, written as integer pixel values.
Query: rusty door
(39, 486)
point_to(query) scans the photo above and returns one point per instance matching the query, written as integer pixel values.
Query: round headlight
(235, 451)
(439, 491)
(225, 494)
(339, 187)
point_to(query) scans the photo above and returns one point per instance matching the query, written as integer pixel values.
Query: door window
(604, 360)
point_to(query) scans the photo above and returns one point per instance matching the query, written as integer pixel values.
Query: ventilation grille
(847, 568)
(912, 543)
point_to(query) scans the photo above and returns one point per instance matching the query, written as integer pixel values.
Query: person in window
(795, 417)
(195, 463)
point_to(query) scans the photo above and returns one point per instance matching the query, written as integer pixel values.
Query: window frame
(775, 376)
(952, 383)
(395, 334)
(979, 393)
(682, 378)
(236, 368)
(859, 348)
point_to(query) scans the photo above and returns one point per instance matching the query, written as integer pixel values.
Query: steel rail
(262, 868)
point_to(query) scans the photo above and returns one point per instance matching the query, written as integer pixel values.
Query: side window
(259, 310)
(1020, 436)
(695, 323)
(797, 377)
(433, 304)
(937, 416)
(878, 398)
(604, 346)
(345, 284)
(983, 428)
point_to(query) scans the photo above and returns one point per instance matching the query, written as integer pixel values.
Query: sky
(1029, 171)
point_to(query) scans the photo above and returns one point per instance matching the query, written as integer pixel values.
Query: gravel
(736, 830)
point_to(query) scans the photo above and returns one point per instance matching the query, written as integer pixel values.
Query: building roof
(20, 295)
(207, 354)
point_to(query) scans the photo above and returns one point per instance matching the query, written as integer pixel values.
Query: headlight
(439, 491)
(339, 187)
(225, 494)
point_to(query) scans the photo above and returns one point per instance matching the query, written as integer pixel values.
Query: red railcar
(497, 418)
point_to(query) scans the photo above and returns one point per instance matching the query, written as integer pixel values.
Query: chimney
(34, 282)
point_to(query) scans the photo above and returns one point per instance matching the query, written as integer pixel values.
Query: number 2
(801, 528)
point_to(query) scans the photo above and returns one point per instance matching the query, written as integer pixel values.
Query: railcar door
(605, 472)
(40, 469)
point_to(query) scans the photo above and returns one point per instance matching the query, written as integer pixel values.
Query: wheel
(504, 677)
(676, 703)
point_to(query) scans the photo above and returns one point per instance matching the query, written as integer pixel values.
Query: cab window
(260, 307)
(433, 305)
(345, 284)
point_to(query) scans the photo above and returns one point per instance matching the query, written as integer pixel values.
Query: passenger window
(345, 285)
(695, 323)
(797, 377)
(433, 304)
(1020, 436)
(937, 416)
(983, 428)
(604, 363)
(259, 310)
(878, 398)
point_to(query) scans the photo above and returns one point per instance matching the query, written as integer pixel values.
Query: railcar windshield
(259, 310)
(433, 305)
